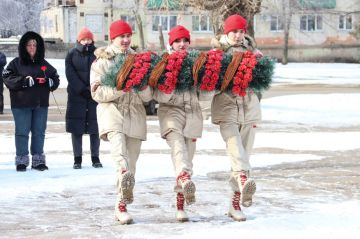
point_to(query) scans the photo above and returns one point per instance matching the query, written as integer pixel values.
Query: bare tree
(221, 9)
(20, 16)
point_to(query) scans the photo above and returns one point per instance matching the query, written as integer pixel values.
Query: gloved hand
(50, 83)
(86, 94)
(28, 82)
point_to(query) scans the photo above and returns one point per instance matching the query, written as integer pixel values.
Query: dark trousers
(1, 95)
(77, 144)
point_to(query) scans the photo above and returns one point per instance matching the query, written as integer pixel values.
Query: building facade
(314, 24)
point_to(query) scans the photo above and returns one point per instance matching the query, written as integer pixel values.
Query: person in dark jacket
(81, 108)
(2, 65)
(30, 78)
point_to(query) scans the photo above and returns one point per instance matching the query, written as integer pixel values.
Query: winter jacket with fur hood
(21, 94)
(117, 110)
(229, 108)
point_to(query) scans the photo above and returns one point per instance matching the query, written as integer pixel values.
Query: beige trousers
(125, 153)
(182, 152)
(239, 144)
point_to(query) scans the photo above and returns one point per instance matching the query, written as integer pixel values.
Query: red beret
(178, 32)
(234, 22)
(118, 28)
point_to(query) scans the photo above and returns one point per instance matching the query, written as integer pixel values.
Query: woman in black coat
(30, 78)
(81, 108)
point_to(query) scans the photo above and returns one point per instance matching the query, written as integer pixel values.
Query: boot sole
(127, 186)
(189, 192)
(247, 193)
(237, 219)
(182, 219)
(130, 221)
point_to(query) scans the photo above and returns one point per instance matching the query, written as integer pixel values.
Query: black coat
(21, 95)
(81, 108)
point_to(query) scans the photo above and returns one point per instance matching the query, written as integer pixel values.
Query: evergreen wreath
(109, 79)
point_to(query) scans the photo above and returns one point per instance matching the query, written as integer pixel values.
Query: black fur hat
(40, 49)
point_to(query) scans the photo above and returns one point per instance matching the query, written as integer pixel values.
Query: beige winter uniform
(237, 117)
(181, 124)
(121, 115)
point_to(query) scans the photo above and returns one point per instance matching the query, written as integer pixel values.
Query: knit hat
(118, 28)
(178, 32)
(235, 22)
(85, 33)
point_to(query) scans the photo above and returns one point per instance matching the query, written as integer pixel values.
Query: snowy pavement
(305, 163)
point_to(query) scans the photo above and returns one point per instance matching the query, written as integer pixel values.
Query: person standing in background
(30, 78)
(2, 65)
(81, 108)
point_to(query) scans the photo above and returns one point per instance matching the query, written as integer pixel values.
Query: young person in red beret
(81, 108)
(181, 124)
(121, 116)
(237, 117)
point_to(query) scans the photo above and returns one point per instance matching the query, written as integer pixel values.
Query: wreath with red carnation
(172, 71)
(212, 70)
(141, 66)
(243, 75)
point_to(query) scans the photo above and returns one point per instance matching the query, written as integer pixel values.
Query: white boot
(235, 209)
(181, 215)
(127, 183)
(247, 188)
(121, 214)
(188, 187)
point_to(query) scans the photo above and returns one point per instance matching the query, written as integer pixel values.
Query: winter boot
(39, 162)
(77, 162)
(96, 162)
(21, 163)
(181, 215)
(235, 210)
(247, 188)
(121, 214)
(127, 183)
(188, 187)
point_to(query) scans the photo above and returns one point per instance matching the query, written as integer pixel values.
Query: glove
(86, 94)
(28, 82)
(50, 82)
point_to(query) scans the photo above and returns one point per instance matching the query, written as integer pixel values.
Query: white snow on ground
(332, 219)
(317, 73)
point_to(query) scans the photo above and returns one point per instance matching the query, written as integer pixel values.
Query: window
(129, 19)
(81, 14)
(311, 23)
(276, 23)
(201, 24)
(59, 2)
(167, 22)
(345, 22)
(81, 1)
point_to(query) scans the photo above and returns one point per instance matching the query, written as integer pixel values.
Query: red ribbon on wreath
(173, 69)
(243, 75)
(212, 70)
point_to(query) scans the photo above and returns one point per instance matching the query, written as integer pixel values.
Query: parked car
(151, 107)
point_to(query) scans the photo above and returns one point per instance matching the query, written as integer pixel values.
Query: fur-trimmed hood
(40, 48)
(109, 52)
(222, 42)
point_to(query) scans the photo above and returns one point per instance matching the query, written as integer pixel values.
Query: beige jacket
(180, 112)
(117, 110)
(229, 108)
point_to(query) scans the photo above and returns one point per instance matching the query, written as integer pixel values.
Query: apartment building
(319, 24)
